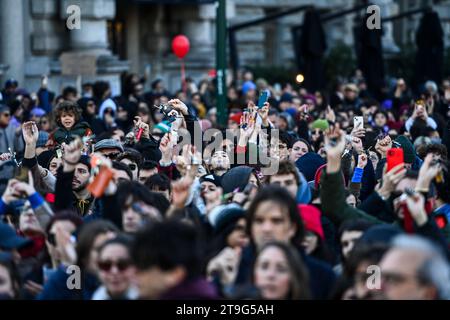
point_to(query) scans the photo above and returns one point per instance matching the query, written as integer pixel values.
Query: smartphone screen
(262, 99)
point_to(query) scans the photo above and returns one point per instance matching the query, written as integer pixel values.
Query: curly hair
(67, 107)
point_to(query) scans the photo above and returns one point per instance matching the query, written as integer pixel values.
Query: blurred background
(264, 36)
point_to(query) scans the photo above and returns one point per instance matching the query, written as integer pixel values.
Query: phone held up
(264, 96)
(394, 157)
(358, 122)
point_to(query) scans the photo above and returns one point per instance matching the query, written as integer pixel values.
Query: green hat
(320, 124)
(163, 126)
(408, 148)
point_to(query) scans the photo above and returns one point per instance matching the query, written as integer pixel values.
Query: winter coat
(80, 129)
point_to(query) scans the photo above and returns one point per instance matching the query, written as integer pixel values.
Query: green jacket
(80, 129)
(335, 207)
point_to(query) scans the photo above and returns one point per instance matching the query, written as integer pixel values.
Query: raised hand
(334, 142)
(72, 154)
(165, 148)
(30, 133)
(383, 145)
(247, 125)
(9, 195)
(225, 264)
(416, 207)
(264, 114)
(139, 124)
(362, 161)
(24, 187)
(179, 105)
(330, 115)
(428, 171)
(390, 180)
(180, 192)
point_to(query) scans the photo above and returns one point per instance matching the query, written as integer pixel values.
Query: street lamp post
(221, 61)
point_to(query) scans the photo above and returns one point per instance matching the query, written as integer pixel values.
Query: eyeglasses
(132, 166)
(121, 264)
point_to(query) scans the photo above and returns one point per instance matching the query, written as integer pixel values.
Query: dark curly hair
(67, 107)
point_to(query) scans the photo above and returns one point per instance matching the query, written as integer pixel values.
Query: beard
(80, 186)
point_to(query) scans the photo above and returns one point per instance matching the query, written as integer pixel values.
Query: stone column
(12, 50)
(92, 37)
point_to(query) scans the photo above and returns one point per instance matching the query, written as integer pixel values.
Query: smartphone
(358, 122)
(394, 157)
(262, 99)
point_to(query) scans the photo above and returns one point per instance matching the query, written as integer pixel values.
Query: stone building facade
(135, 35)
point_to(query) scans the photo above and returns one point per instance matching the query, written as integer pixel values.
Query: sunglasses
(6, 115)
(121, 264)
(111, 155)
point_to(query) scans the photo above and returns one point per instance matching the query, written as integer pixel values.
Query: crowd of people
(122, 197)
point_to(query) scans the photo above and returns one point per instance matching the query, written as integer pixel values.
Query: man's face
(271, 223)
(399, 189)
(4, 118)
(348, 240)
(28, 220)
(80, 177)
(136, 213)
(286, 181)
(399, 270)
(120, 176)
(133, 167)
(220, 161)
(145, 173)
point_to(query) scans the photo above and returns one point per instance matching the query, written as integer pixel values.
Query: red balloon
(180, 46)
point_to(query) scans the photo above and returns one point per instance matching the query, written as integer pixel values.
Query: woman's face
(115, 270)
(380, 120)
(55, 163)
(272, 274)
(238, 237)
(6, 284)
(210, 191)
(298, 150)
